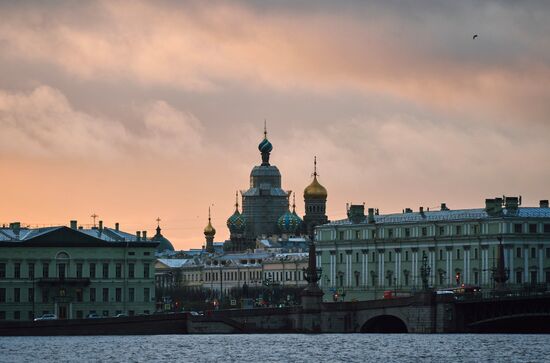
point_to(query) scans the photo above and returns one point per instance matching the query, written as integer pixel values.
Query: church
(266, 208)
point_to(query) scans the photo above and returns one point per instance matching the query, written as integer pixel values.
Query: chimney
(408, 210)
(371, 215)
(543, 203)
(493, 207)
(144, 233)
(356, 213)
(444, 206)
(16, 227)
(511, 203)
(74, 224)
(117, 225)
(138, 236)
(100, 225)
(421, 210)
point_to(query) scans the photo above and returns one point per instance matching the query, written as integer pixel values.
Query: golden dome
(209, 231)
(315, 190)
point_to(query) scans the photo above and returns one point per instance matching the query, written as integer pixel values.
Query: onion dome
(164, 243)
(265, 146)
(315, 190)
(289, 222)
(236, 223)
(209, 231)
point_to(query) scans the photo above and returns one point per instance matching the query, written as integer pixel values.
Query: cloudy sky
(138, 110)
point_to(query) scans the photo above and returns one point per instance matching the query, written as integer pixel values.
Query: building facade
(72, 272)
(365, 255)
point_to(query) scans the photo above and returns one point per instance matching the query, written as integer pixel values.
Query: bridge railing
(512, 291)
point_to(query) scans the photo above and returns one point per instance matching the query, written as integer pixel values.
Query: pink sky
(138, 110)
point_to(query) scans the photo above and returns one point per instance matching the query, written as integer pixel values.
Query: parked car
(46, 317)
(92, 316)
(121, 316)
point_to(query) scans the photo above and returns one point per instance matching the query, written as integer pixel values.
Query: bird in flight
(475, 36)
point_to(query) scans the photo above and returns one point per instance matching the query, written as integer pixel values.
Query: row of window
(17, 315)
(62, 270)
(458, 255)
(92, 296)
(233, 275)
(457, 230)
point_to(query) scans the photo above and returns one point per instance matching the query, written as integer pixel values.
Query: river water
(279, 348)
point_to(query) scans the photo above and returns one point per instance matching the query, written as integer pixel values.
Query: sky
(138, 110)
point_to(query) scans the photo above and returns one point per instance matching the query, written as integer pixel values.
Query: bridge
(423, 313)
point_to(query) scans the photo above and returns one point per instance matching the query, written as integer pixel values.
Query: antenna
(94, 216)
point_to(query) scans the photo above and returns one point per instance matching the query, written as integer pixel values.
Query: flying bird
(475, 36)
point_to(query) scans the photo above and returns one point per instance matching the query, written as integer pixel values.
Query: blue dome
(265, 146)
(289, 222)
(236, 223)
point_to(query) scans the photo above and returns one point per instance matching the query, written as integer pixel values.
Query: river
(279, 348)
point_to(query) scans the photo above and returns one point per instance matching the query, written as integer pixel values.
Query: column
(526, 264)
(398, 271)
(541, 275)
(450, 266)
(380, 269)
(415, 268)
(511, 257)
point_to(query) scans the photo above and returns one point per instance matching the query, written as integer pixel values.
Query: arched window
(62, 259)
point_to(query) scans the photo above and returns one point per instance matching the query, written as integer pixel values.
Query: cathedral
(266, 209)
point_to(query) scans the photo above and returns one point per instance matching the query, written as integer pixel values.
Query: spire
(315, 166)
(265, 147)
(265, 128)
(236, 202)
(158, 226)
(294, 203)
(208, 214)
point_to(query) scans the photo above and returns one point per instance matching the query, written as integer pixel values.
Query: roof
(62, 235)
(447, 216)
(175, 262)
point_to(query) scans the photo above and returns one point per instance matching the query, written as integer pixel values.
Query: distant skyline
(138, 110)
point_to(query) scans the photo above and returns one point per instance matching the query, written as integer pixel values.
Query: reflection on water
(279, 348)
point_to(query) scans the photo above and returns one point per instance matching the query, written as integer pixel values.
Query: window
(518, 227)
(518, 252)
(105, 294)
(341, 258)
(118, 270)
(146, 270)
(131, 253)
(16, 295)
(407, 232)
(341, 235)
(61, 270)
(16, 315)
(357, 234)
(357, 257)
(406, 279)
(374, 257)
(146, 294)
(424, 231)
(458, 254)
(92, 270)
(118, 294)
(518, 277)
(547, 252)
(2, 295)
(131, 294)
(390, 233)
(31, 270)
(547, 228)
(105, 270)
(476, 277)
(146, 253)
(458, 230)
(131, 270)
(2, 270)
(45, 270)
(30, 294)
(548, 277)
(533, 277)
(92, 294)
(389, 257)
(532, 228)
(441, 231)
(476, 229)
(475, 254)
(17, 270)
(44, 296)
(79, 270)
(79, 297)
(533, 252)
(406, 255)
(441, 255)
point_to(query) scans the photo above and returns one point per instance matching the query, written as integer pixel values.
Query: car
(92, 316)
(121, 316)
(46, 317)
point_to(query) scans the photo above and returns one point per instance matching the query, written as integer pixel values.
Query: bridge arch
(384, 324)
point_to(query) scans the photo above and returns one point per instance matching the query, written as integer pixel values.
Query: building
(266, 206)
(364, 255)
(72, 272)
